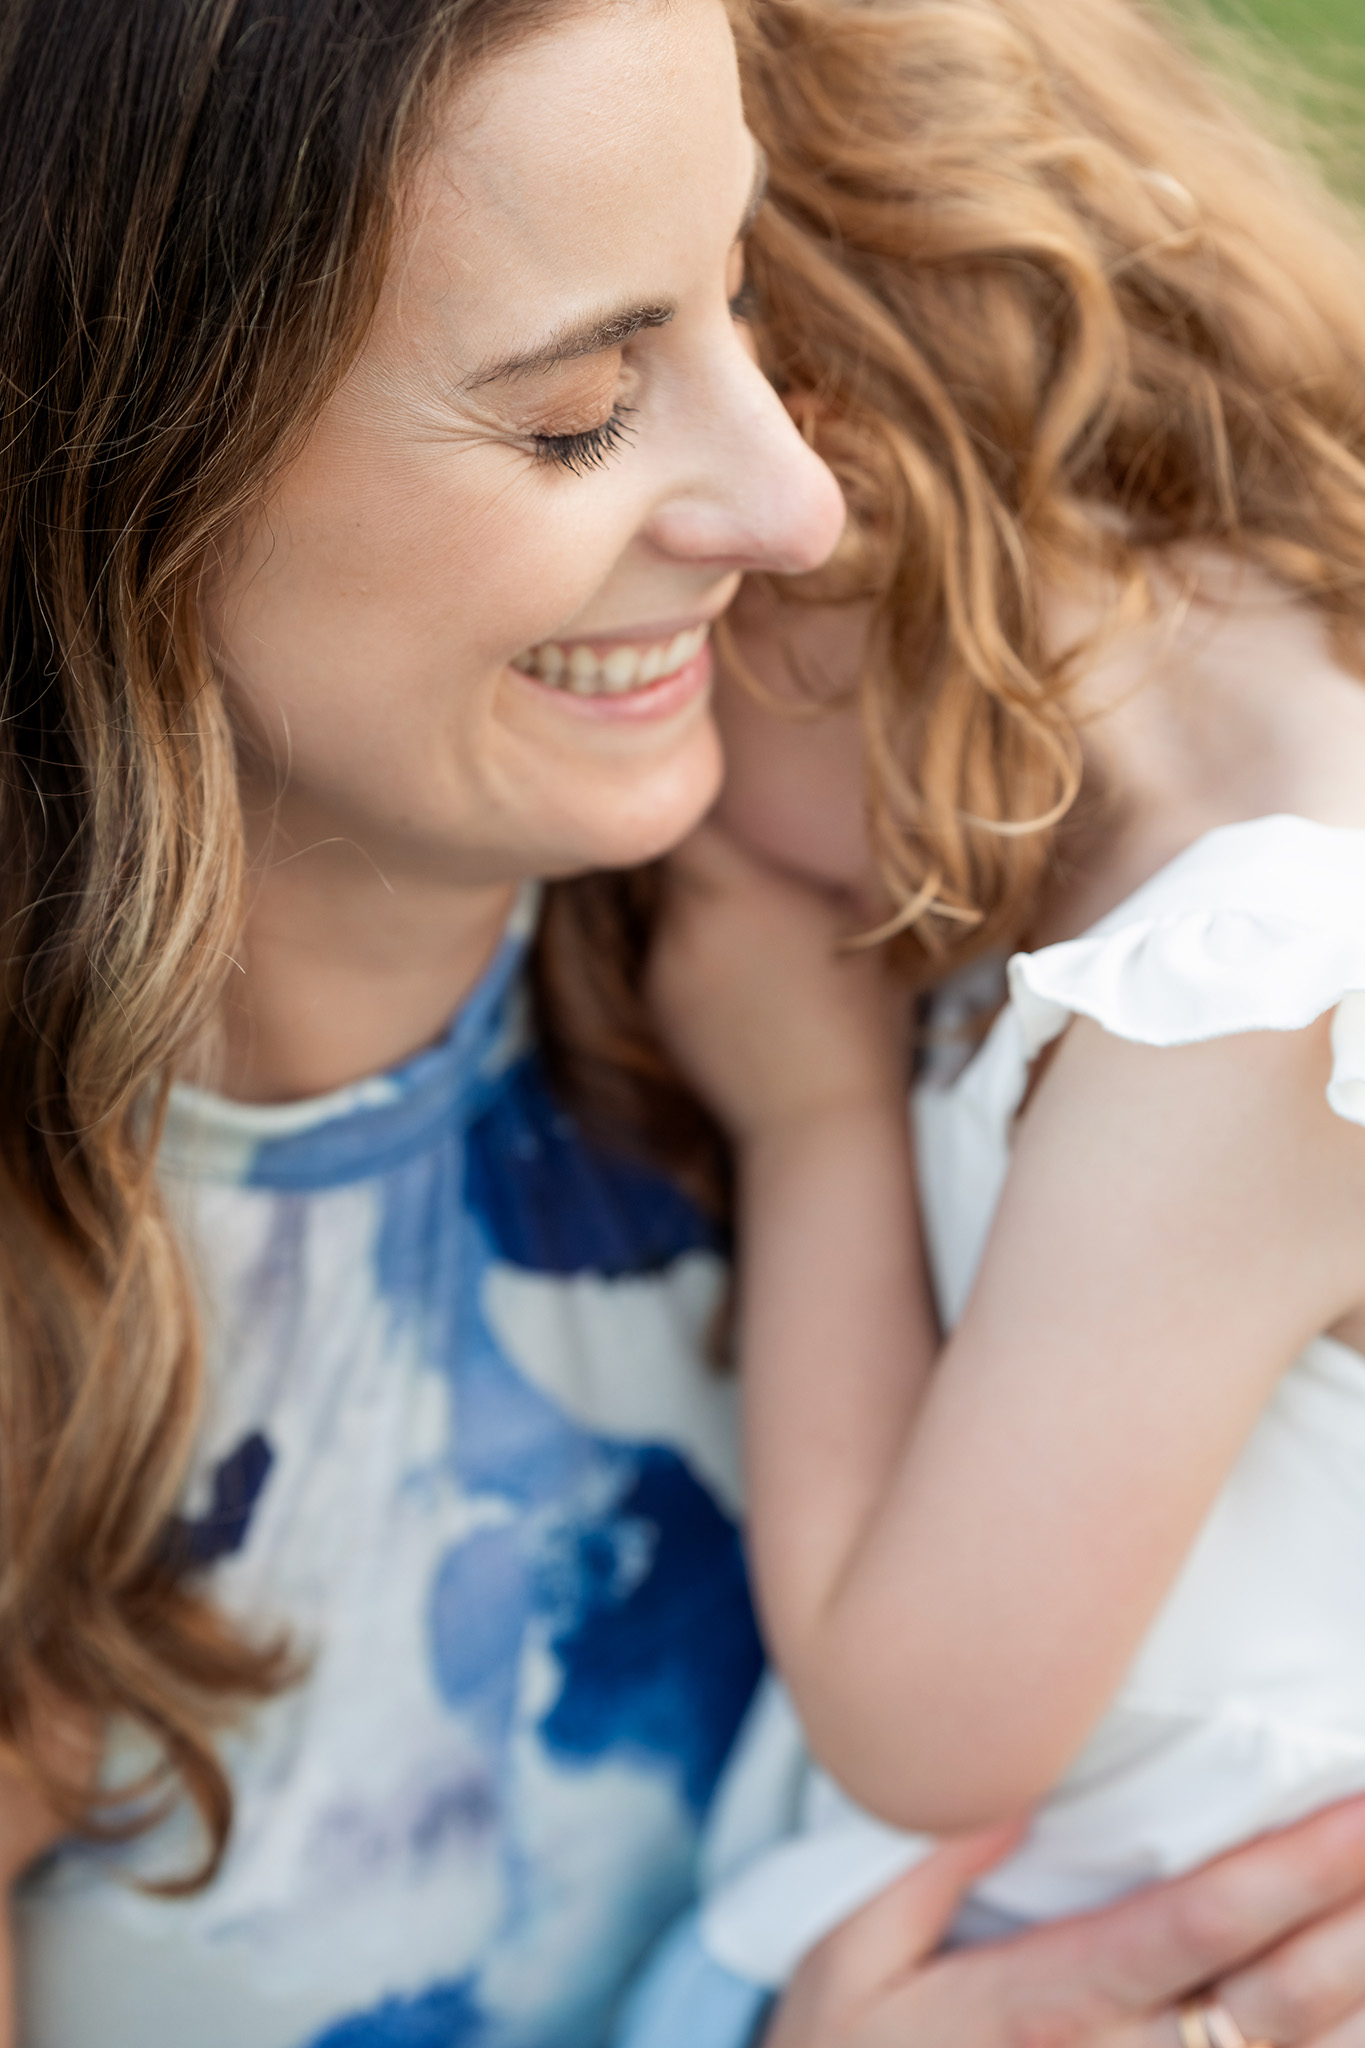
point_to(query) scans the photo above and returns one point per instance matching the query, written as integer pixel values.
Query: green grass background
(1324, 78)
(1314, 27)
(1324, 34)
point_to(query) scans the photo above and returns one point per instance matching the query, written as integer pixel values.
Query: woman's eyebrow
(592, 337)
(583, 338)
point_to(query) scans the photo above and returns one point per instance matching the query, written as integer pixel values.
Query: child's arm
(801, 1051)
(955, 1570)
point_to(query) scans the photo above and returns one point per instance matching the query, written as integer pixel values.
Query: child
(1090, 358)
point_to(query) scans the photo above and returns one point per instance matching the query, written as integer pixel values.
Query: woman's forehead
(590, 176)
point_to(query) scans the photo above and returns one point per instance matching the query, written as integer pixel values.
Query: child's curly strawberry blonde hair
(1055, 301)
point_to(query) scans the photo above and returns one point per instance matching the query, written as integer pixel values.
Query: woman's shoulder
(1256, 926)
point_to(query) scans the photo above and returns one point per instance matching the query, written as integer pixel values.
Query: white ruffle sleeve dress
(1244, 1708)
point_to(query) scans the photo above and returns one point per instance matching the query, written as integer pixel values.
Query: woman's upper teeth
(618, 669)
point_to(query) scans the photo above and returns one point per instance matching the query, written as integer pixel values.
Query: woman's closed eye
(590, 447)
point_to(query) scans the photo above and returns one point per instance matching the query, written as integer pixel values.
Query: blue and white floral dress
(462, 1442)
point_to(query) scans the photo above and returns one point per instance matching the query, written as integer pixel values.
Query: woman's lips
(583, 668)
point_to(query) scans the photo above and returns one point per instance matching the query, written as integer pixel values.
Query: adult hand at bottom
(1275, 1930)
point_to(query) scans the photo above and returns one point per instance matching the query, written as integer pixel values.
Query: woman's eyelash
(594, 446)
(591, 449)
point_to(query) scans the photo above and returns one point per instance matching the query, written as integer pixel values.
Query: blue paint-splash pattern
(532, 1637)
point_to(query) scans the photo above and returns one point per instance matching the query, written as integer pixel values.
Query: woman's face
(468, 630)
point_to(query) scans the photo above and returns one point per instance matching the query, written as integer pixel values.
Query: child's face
(396, 624)
(794, 771)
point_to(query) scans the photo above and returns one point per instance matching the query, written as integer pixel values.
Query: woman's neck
(345, 970)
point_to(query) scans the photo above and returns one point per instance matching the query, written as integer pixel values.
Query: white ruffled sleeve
(1171, 969)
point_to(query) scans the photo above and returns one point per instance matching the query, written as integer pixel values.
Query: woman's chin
(627, 819)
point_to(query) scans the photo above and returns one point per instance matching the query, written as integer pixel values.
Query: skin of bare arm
(913, 1570)
(1276, 1929)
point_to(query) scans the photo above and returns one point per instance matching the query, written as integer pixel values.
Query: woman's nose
(754, 496)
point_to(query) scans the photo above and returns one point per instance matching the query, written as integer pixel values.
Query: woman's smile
(652, 672)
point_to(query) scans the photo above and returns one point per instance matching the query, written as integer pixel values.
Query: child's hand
(772, 1022)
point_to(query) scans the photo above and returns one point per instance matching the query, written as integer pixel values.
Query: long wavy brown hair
(1047, 298)
(198, 196)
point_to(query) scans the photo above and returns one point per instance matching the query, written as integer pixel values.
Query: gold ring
(1193, 2022)
(1207, 2023)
